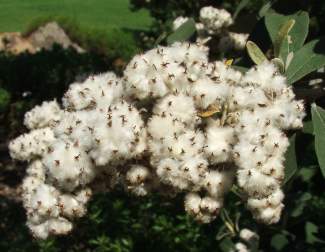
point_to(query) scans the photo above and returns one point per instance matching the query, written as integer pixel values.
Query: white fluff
(175, 124)
(43, 116)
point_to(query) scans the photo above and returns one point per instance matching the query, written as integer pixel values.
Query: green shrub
(4, 99)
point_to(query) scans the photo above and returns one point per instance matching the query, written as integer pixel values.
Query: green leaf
(283, 36)
(279, 241)
(297, 35)
(306, 173)
(290, 163)
(240, 68)
(288, 60)
(308, 127)
(309, 58)
(311, 229)
(226, 245)
(183, 33)
(160, 38)
(318, 117)
(266, 8)
(255, 53)
(4, 99)
(300, 204)
(240, 7)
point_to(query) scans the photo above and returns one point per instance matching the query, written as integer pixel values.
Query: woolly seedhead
(214, 24)
(174, 123)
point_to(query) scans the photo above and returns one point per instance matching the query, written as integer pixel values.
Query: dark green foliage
(117, 222)
(31, 79)
(4, 99)
(164, 12)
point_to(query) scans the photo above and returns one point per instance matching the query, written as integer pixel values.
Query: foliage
(183, 33)
(4, 99)
(44, 75)
(164, 12)
(318, 116)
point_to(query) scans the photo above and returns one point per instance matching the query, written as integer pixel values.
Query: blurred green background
(102, 14)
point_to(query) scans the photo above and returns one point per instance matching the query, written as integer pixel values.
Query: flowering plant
(176, 122)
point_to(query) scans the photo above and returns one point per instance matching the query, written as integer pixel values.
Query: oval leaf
(318, 117)
(297, 34)
(240, 7)
(282, 36)
(306, 60)
(255, 53)
(183, 33)
(266, 8)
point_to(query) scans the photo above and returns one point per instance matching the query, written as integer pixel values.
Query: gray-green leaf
(309, 58)
(183, 33)
(255, 53)
(283, 36)
(318, 117)
(297, 35)
(240, 7)
(266, 8)
(311, 229)
(279, 241)
(290, 160)
(226, 245)
(308, 127)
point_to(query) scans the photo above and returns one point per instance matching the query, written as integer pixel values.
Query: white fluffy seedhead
(249, 241)
(214, 25)
(118, 135)
(68, 166)
(176, 123)
(97, 91)
(43, 116)
(31, 145)
(139, 180)
(203, 209)
(164, 70)
(215, 19)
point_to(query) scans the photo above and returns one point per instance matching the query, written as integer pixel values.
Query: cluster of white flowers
(214, 24)
(174, 123)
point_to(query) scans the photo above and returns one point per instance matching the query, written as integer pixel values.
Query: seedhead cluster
(214, 24)
(175, 123)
